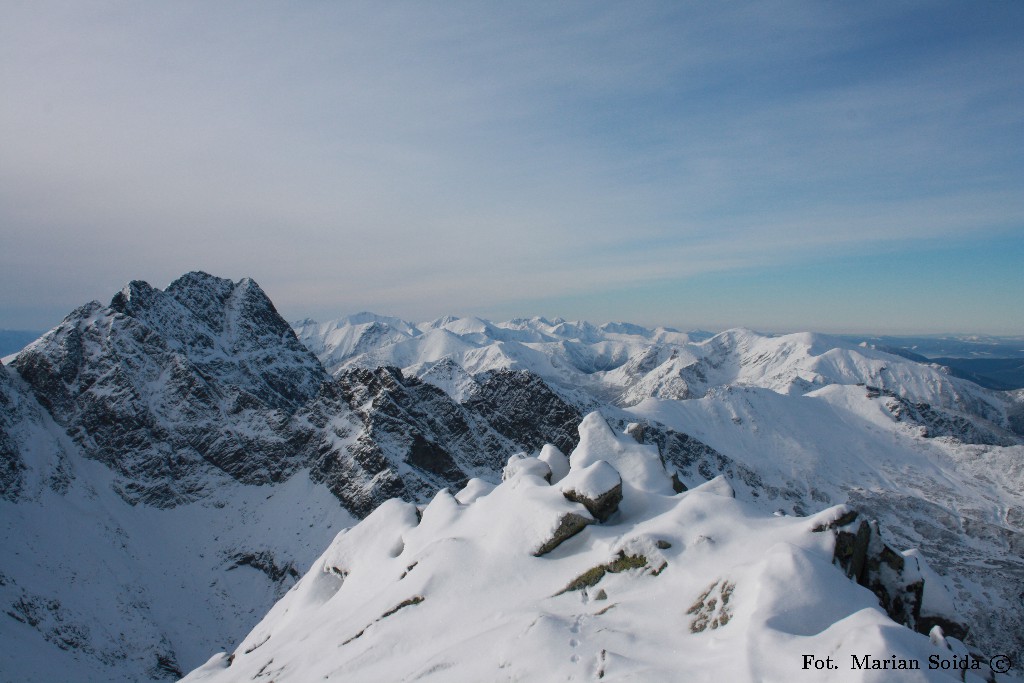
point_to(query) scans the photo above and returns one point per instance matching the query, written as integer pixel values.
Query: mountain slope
(95, 588)
(170, 462)
(694, 586)
(626, 364)
(167, 386)
(796, 422)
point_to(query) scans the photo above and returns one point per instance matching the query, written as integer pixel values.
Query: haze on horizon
(840, 167)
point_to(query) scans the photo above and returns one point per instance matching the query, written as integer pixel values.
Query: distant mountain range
(964, 346)
(173, 462)
(992, 362)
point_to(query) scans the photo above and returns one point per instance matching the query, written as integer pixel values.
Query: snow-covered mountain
(796, 422)
(170, 463)
(596, 569)
(625, 364)
(567, 353)
(96, 588)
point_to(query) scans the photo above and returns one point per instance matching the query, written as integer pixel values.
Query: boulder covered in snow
(598, 487)
(556, 460)
(521, 464)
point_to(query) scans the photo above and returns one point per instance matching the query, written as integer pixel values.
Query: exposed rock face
(968, 552)
(936, 422)
(11, 468)
(166, 386)
(11, 465)
(569, 525)
(343, 455)
(265, 562)
(378, 434)
(593, 576)
(521, 406)
(162, 385)
(636, 430)
(33, 450)
(896, 579)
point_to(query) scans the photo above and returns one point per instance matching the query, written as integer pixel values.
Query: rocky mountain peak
(161, 384)
(134, 295)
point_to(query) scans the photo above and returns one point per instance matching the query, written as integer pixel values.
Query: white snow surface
(592, 481)
(626, 364)
(718, 591)
(556, 461)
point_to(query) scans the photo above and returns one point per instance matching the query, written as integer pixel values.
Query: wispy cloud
(421, 158)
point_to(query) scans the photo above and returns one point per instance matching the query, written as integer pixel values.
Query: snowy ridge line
(625, 364)
(671, 586)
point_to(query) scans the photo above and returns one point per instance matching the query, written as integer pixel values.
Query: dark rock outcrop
(935, 422)
(33, 450)
(569, 525)
(264, 561)
(520, 406)
(11, 465)
(868, 560)
(377, 434)
(593, 576)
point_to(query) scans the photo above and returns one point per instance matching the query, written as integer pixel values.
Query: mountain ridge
(186, 403)
(195, 412)
(667, 585)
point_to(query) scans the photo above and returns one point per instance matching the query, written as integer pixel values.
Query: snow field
(696, 586)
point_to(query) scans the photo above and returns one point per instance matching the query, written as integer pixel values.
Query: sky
(830, 166)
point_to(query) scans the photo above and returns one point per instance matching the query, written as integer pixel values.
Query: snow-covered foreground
(492, 584)
(959, 503)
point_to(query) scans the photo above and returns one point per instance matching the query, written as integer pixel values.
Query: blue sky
(778, 165)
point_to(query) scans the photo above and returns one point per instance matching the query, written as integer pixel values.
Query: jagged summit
(530, 585)
(203, 379)
(162, 384)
